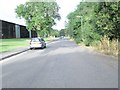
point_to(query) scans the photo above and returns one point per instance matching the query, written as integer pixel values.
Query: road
(62, 64)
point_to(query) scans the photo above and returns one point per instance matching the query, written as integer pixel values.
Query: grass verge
(105, 46)
(11, 44)
(108, 47)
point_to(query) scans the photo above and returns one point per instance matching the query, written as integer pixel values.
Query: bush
(108, 47)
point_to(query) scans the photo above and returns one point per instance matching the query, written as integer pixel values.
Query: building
(12, 30)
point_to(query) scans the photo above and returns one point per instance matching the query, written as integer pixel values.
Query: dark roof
(11, 22)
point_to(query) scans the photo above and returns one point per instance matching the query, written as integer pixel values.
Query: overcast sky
(7, 11)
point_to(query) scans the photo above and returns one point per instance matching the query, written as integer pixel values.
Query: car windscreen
(35, 40)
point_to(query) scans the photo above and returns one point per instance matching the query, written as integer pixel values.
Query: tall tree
(81, 25)
(39, 16)
(93, 20)
(108, 20)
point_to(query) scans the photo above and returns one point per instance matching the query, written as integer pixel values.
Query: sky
(7, 11)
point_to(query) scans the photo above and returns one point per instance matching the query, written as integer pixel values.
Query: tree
(81, 24)
(39, 16)
(108, 20)
(92, 21)
(54, 33)
(62, 32)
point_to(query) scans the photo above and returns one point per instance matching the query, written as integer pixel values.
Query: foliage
(91, 21)
(39, 16)
(81, 25)
(62, 32)
(54, 33)
(108, 20)
(108, 47)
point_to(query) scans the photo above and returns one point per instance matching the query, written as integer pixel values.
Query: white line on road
(12, 59)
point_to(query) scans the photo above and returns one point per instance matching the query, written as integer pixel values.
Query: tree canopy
(39, 16)
(93, 20)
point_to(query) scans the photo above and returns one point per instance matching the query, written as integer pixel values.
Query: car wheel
(44, 46)
(31, 48)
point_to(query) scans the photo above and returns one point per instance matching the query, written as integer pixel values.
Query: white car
(37, 43)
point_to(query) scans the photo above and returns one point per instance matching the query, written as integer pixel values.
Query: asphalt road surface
(62, 64)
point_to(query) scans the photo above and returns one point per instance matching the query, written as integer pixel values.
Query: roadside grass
(105, 46)
(11, 44)
(49, 39)
(108, 47)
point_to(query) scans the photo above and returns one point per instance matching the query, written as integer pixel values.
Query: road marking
(9, 59)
